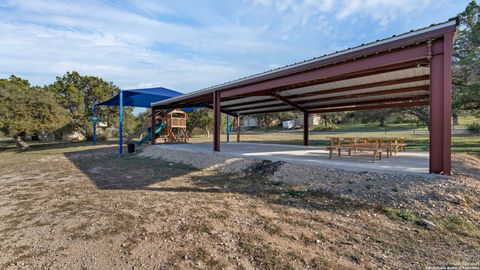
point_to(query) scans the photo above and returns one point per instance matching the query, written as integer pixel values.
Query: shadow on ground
(110, 171)
(52, 146)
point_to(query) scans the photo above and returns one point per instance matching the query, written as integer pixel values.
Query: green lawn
(467, 143)
(460, 143)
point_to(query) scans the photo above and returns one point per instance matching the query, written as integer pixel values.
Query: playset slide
(158, 129)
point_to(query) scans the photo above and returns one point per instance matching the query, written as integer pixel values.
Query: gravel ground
(426, 195)
(85, 207)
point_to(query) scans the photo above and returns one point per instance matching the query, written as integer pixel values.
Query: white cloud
(185, 45)
(382, 11)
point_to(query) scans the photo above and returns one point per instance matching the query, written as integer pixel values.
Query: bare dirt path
(83, 208)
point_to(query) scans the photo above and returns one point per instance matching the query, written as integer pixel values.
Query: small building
(313, 119)
(249, 121)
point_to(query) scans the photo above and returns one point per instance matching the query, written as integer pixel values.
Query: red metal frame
(375, 107)
(217, 121)
(305, 103)
(305, 128)
(288, 102)
(338, 90)
(441, 108)
(432, 48)
(237, 123)
(408, 54)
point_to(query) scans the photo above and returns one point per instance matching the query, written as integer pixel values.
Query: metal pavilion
(411, 69)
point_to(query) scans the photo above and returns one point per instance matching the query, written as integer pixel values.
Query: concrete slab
(405, 162)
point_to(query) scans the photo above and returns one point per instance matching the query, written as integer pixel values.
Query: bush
(474, 128)
(325, 128)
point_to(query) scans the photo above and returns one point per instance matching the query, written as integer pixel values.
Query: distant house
(252, 121)
(249, 121)
(313, 119)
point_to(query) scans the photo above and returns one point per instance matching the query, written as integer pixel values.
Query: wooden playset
(170, 127)
(175, 126)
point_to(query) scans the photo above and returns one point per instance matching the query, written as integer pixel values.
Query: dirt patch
(93, 209)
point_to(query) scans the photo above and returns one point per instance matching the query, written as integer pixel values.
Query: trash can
(131, 148)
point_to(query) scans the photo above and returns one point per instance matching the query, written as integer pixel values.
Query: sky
(189, 45)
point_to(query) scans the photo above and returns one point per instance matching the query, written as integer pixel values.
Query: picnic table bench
(377, 145)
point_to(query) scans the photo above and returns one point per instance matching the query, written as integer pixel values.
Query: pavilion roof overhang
(393, 72)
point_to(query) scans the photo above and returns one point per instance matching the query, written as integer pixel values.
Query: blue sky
(187, 45)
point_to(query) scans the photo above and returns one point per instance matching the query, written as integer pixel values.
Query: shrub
(325, 128)
(405, 215)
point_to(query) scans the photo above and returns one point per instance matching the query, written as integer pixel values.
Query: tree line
(65, 105)
(58, 108)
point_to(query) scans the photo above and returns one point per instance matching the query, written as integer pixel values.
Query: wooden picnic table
(364, 143)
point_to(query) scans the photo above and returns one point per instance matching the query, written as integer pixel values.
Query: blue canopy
(134, 98)
(141, 97)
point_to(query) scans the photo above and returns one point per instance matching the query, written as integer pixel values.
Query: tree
(200, 119)
(268, 119)
(466, 62)
(380, 116)
(79, 93)
(421, 113)
(26, 110)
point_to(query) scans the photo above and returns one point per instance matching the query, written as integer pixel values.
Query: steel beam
(237, 123)
(305, 128)
(349, 96)
(337, 90)
(366, 102)
(351, 103)
(368, 94)
(377, 61)
(440, 108)
(375, 107)
(286, 101)
(217, 121)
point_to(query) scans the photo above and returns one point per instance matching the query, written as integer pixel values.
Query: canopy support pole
(237, 123)
(94, 125)
(217, 121)
(305, 128)
(228, 128)
(120, 123)
(441, 108)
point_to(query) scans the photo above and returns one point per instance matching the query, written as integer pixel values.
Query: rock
(76, 135)
(457, 199)
(426, 224)
(21, 145)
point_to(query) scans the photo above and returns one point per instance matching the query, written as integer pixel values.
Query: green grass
(460, 143)
(376, 126)
(403, 214)
(466, 120)
(463, 143)
(54, 147)
(458, 225)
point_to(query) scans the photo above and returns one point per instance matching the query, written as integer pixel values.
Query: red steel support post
(152, 126)
(441, 108)
(237, 125)
(305, 128)
(217, 121)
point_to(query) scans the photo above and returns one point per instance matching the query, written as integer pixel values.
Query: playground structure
(170, 127)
